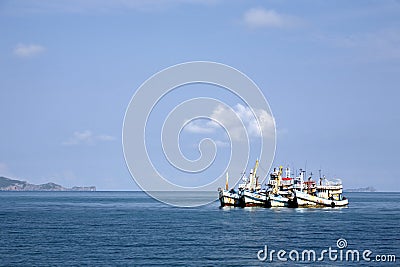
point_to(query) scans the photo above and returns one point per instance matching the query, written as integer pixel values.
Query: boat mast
(226, 183)
(287, 171)
(302, 173)
(255, 175)
(278, 181)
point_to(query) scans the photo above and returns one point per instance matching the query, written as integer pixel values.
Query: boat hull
(256, 199)
(278, 201)
(228, 198)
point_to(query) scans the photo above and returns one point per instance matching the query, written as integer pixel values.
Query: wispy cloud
(254, 123)
(87, 138)
(198, 127)
(268, 18)
(28, 50)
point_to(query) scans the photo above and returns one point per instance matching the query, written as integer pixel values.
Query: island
(362, 189)
(7, 184)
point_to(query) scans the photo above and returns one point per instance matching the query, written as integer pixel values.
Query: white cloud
(197, 127)
(254, 126)
(28, 50)
(104, 137)
(263, 18)
(88, 138)
(264, 123)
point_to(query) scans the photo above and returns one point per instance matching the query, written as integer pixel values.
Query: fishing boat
(279, 190)
(254, 196)
(230, 197)
(249, 193)
(299, 185)
(302, 193)
(328, 193)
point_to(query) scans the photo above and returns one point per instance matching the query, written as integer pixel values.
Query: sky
(330, 72)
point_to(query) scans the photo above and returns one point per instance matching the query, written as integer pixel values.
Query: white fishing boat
(253, 195)
(249, 193)
(326, 193)
(280, 192)
(230, 197)
(299, 185)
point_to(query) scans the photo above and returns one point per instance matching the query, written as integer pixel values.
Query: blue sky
(329, 70)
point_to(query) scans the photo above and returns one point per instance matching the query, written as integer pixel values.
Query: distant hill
(7, 184)
(362, 189)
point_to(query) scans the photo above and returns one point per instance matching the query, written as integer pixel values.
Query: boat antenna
(320, 174)
(305, 170)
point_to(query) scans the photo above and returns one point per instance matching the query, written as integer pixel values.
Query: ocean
(132, 229)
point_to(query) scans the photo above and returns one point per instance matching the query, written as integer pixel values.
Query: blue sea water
(132, 229)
